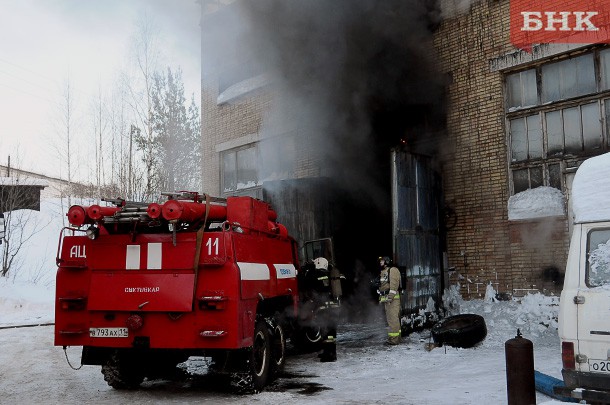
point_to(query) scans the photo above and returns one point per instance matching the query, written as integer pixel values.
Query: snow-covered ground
(366, 372)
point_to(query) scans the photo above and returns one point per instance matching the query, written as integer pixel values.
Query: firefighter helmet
(321, 263)
(385, 261)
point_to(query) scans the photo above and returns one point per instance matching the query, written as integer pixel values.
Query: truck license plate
(108, 332)
(599, 366)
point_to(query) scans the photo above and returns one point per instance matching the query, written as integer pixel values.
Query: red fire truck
(141, 287)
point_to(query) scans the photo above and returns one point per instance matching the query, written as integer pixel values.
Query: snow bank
(535, 315)
(535, 203)
(591, 190)
(27, 294)
(25, 303)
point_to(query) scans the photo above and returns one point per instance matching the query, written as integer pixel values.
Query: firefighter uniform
(389, 283)
(322, 288)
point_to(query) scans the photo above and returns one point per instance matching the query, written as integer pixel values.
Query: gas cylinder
(520, 381)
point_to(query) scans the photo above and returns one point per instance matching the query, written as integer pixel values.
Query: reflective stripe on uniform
(393, 334)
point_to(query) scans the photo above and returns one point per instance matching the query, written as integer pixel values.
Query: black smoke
(354, 77)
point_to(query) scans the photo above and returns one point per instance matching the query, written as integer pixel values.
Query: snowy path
(33, 370)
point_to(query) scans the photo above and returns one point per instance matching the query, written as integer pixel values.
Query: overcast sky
(43, 42)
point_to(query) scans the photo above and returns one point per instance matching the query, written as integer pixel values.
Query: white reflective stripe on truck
(254, 271)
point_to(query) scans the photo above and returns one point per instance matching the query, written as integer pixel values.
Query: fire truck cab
(141, 287)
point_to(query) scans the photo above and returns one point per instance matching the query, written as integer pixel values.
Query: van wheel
(464, 330)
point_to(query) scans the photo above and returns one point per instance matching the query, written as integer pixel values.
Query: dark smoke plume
(352, 77)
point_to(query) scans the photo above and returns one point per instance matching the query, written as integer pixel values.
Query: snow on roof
(23, 181)
(591, 190)
(536, 203)
(242, 88)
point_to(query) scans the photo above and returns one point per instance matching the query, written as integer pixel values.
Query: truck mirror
(2, 227)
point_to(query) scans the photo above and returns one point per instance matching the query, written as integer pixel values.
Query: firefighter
(389, 283)
(321, 290)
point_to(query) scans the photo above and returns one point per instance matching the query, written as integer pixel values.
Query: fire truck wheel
(278, 347)
(308, 339)
(313, 335)
(464, 330)
(260, 356)
(121, 371)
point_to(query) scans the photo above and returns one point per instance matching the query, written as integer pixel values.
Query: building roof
(23, 181)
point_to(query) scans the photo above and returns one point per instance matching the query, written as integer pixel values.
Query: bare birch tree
(100, 144)
(146, 55)
(65, 146)
(17, 199)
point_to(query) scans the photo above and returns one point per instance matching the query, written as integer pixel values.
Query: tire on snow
(464, 330)
(123, 371)
(308, 339)
(259, 361)
(278, 347)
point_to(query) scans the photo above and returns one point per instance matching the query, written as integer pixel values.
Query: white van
(584, 315)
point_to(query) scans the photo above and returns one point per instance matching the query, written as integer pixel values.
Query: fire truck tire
(313, 335)
(260, 356)
(464, 330)
(308, 339)
(121, 371)
(259, 363)
(278, 347)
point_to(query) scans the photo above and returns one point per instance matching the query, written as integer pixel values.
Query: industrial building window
(239, 169)
(521, 88)
(568, 78)
(604, 66)
(557, 113)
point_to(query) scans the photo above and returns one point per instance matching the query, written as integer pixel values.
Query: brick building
(515, 121)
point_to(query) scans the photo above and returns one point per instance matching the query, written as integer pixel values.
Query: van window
(598, 253)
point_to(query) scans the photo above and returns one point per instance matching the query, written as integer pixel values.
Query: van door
(593, 302)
